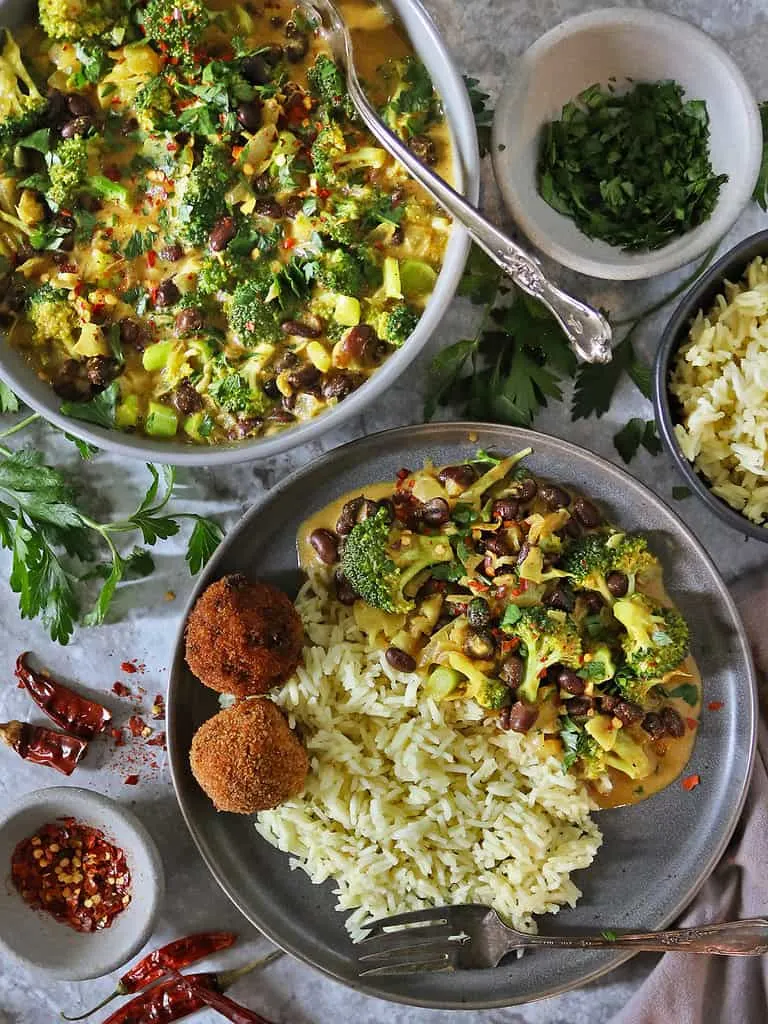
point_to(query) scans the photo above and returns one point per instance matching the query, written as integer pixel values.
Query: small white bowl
(37, 939)
(622, 43)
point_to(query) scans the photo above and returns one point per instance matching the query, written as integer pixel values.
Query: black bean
(340, 383)
(561, 598)
(480, 644)
(457, 478)
(76, 127)
(522, 716)
(243, 427)
(511, 671)
(286, 360)
(592, 600)
(572, 528)
(15, 296)
(436, 512)
(222, 233)
(58, 109)
(653, 725)
(569, 681)
(424, 148)
(100, 370)
(496, 545)
(672, 722)
(172, 253)
(167, 293)
(262, 184)
(135, 333)
(268, 206)
(505, 509)
(296, 49)
(129, 126)
(400, 660)
(359, 341)
(304, 378)
(70, 382)
(554, 497)
(525, 550)
(188, 320)
(300, 328)
(326, 544)
(579, 707)
(249, 115)
(607, 702)
(186, 398)
(293, 206)
(270, 388)
(79, 106)
(617, 583)
(345, 592)
(478, 613)
(257, 70)
(628, 712)
(348, 516)
(527, 489)
(587, 513)
(281, 415)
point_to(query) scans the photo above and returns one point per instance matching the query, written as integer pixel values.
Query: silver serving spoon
(588, 332)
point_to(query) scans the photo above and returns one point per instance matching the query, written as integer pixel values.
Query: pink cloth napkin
(686, 989)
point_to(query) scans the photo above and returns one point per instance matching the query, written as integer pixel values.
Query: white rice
(411, 804)
(721, 381)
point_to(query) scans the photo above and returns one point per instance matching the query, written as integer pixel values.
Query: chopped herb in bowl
(630, 168)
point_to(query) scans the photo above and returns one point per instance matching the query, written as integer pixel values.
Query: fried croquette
(247, 759)
(242, 637)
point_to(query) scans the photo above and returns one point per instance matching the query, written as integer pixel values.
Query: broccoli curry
(198, 239)
(506, 589)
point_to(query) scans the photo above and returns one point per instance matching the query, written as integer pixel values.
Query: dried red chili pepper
(222, 1004)
(43, 746)
(171, 1000)
(172, 956)
(77, 715)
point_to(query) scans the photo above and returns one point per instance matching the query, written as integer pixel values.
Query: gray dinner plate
(655, 855)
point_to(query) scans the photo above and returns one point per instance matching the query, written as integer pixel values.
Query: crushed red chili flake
(131, 780)
(129, 667)
(121, 689)
(151, 260)
(158, 706)
(138, 726)
(690, 782)
(71, 871)
(157, 741)
(715, 705)
(691, 723)
(117, 736)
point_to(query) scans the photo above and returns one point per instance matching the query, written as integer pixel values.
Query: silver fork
(471, 936)
(588, 332)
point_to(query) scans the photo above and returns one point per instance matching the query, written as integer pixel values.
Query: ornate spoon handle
(731, 938)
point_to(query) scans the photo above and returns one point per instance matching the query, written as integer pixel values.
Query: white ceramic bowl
(47, 945)
(624, 43)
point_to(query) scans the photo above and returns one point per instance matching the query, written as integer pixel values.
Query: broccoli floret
(326, 149)
(251, 318)
(213, 276)
(599, 663)
(21, 105)
(396, 325)
(488, 692)
(175, 26)
(67, 172)
(413, 105)
(378, 572)
(588, 561)
(78, 19)
(340, 272)
(549, 637)
(203, 201)
(234, 394)
(620, 750)
(53, 317)
(656, 638)
(153, 103)
(579, 746)
(633, 688)
(629, 554)
(327, 85)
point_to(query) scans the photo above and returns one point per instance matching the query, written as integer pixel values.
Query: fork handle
(588, 332)
(730, 938)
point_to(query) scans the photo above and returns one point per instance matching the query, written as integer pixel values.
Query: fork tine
(445, 961)
(433, 915)
(407, 938)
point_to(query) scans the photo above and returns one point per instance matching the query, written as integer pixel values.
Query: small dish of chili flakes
(71, 920)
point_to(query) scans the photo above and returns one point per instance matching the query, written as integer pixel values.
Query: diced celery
(442, 682)
(392, 288)
(127, 412)
(161, 421)
(347, 310)
(417, 278)
(156, 356)
(192, 424)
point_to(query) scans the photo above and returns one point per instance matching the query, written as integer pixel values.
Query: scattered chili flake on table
(715, 705)
(71, 871)
(128, 667)
(121, 689)
(138, 726)
(157, 741)
(131, 780)
(690, 782)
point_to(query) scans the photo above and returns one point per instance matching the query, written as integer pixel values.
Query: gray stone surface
(485, 36)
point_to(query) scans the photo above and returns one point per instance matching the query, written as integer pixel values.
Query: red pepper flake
(402, 474)
(715, 705)
(158, 706)
(323, 193)
(510, 645)
(157, 741)
(172, 147)
(129, 667)
(289, 243)
(117, 736)
(121, 689)
(138, 726)
(112, 172)
(72, 872)
(131, 780)
(151, 258)
(690, 782)
(691, 723)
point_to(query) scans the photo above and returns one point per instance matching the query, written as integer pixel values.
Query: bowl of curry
(200, 245)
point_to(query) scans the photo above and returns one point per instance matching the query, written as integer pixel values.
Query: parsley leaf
(205, 538)
(687, 692)
(99, 410)
(760, 195)
(483, 113)
(681, 493)
(481, 278)
(8, 400)
(139, 243)
(635, 433)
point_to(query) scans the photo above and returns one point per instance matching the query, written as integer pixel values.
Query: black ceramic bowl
(701, 296)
